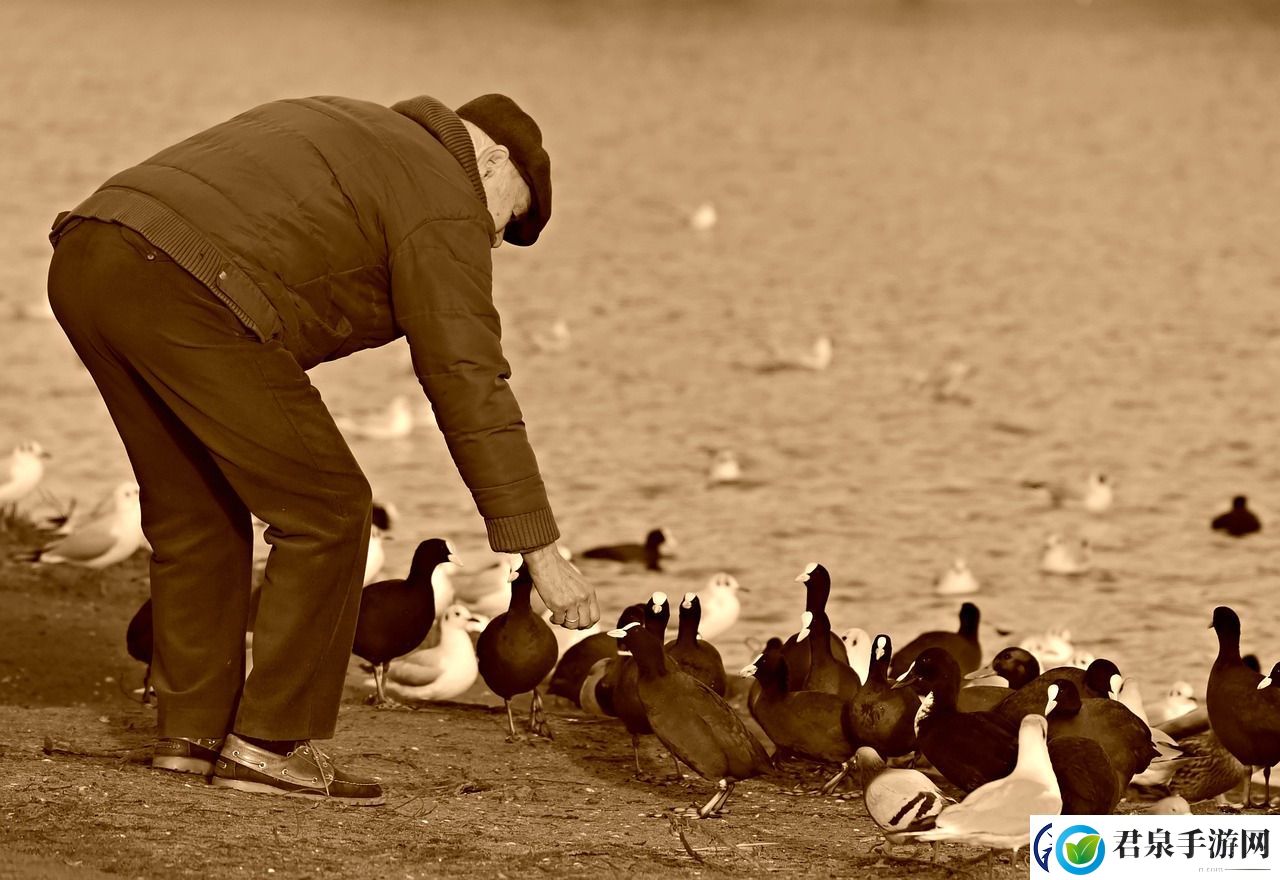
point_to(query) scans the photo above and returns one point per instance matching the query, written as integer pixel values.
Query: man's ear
(491, 160)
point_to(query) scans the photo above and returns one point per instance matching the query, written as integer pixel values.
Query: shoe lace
(322, 761)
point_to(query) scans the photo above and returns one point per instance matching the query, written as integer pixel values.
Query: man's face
(509, 198)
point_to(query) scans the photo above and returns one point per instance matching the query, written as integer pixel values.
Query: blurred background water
(1080, 202)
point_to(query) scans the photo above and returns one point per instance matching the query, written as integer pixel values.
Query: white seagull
(957, 580)
(440, 673)
(720, 605)
(1059, 557)
(23, 472)
(97, 543)
(996, 814)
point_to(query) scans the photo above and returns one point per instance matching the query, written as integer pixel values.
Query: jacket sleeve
(441, 294)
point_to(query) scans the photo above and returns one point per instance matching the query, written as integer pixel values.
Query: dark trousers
(216, 424)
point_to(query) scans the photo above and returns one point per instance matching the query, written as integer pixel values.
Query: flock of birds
(1043, 728)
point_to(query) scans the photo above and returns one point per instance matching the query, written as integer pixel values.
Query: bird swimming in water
(996, 814)
(1099, 494)
(1060, 557)
(720, 605)
(102, 542)
(658, 544)
(20, 475)
(695, 725)
(516, 651)
(725, 468)
(1239, 520)
(555, 339)
(957, 580)
(396, 614)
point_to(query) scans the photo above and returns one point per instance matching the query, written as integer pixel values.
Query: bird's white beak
(1265, 683)
(802, 635)
(748, 671)
(1117, 682)
(802, 578)
(903, 676)
(1052, 702)
(617, 633)
(984, 672)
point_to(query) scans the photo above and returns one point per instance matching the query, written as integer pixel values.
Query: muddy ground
(77, 798)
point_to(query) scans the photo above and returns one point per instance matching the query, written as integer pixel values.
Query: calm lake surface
(1079, 202)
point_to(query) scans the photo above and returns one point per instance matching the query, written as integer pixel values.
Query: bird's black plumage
(1245, 718)
(396, 614)
(517, 650)
(817, 590)
(1096, 682)
(1085, 776)
(648, 554)
(575, 665)
(1238, 521)
(695, 724)
(827, 673)
(968, 748)
(880, 715)
(804, 723)
(1125, 738)
(695, 656)
(626, 692)
(962, 644)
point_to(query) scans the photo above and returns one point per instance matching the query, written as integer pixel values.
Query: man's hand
(563, 588)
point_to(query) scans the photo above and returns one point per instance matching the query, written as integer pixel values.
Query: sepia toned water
(1079, 202)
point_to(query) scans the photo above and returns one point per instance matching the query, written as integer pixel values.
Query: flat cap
(503, 120)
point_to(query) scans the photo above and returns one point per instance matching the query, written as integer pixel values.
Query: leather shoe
(184, 755)
(304, 772)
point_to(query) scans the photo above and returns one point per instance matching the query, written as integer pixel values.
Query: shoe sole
(183, 765)
(263, 788)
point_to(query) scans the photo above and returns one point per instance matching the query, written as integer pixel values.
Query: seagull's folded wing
(82, 545)
(422, 667)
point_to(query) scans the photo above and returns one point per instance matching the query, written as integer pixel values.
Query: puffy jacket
(336, 225)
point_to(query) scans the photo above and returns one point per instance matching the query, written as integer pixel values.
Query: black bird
(962, 644)
(1243, 711)
(826, 672)
(649, 554)
(695, 656)
(968, 748)
(139, 639)
(384, 515)
(516, 651)
(698, 727)
(804, 723)
(880, 715)
(1015, 665)
(396, 614)
(1238, 521)
(626, 693)
(1124, 737)
(1085, 776)
(1101, 680)
(576, 664)
(1252, 661)
(817, 585)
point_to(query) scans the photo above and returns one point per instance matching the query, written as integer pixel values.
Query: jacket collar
(445, 126)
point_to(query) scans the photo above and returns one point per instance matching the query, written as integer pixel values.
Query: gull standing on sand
(996, 815)
(556, 339)
(444, 672)
(106, 540)
(22, 473)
